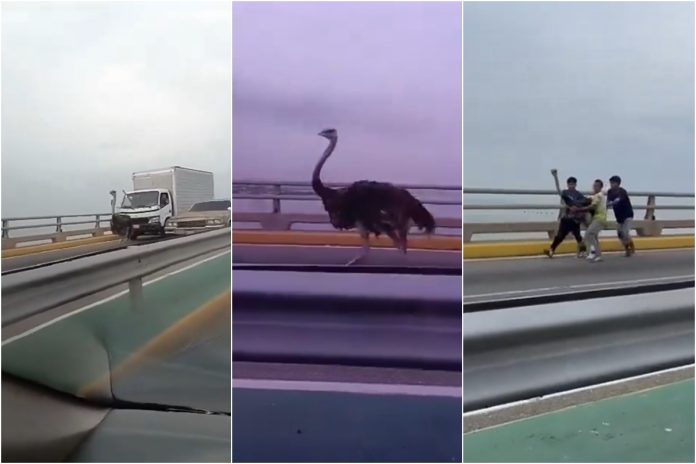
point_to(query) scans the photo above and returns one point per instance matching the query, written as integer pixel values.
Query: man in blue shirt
(618, 199)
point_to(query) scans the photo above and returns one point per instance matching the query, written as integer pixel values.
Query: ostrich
(371, 207)
(121, 226)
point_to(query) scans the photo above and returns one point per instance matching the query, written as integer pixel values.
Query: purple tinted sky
(386, 75)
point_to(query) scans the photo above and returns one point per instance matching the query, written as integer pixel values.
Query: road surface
(76, 346)
(45, 257)
(298, 254)
(518, 277)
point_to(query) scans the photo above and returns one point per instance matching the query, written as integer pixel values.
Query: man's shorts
(623, 229)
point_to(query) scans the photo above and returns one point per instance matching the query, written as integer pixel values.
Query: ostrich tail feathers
(422, 217)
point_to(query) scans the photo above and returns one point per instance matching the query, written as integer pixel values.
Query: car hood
(202, 215)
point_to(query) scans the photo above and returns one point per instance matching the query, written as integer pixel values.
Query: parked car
(206, 215)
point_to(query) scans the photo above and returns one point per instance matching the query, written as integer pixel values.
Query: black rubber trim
(348, 361)
(575, 296)
(342, 269)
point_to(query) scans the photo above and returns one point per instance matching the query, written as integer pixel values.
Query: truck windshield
(140, 199)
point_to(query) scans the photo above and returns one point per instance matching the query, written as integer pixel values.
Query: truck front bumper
(149, 228)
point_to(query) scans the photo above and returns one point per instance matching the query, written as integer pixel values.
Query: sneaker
(581, 254)
(548, 253)
(597, 259)
(591, 257)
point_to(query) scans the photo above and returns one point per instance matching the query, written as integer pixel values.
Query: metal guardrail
(58, 223)
(278, 192)
(398, 321)
(649, 226)
(32, 292)
(523, 352)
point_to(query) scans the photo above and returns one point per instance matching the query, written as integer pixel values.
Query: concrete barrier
(247, 237)
(532, 248)
(30, 250)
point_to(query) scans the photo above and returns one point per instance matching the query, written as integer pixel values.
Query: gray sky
(386, 75)
(593, 89)
(92, 91)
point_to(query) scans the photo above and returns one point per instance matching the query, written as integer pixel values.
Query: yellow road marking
(32, 250)
(183, 332)
(536, 248)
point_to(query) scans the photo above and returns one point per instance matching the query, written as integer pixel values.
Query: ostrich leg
(399, 243)
(365, 236)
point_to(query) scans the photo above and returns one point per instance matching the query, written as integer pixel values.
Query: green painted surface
(650, 426)
(80, 349)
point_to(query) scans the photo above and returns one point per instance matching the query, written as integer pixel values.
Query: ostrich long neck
(317, 185)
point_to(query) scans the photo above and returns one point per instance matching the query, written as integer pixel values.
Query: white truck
(159, 195)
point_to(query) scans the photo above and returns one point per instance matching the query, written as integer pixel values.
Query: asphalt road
(330, 426)
(20, 262)
(511, 278)
(323, 255)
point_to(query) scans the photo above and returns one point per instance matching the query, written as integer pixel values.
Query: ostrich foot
(356, 259)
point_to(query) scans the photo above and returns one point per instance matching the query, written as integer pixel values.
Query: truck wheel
(133, 235)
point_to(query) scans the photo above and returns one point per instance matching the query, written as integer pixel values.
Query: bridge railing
(649, 226)
(62, 228)
(32, 292)
(281, 193)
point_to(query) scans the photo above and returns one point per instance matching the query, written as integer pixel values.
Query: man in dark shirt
(570, 221)
(618, 199)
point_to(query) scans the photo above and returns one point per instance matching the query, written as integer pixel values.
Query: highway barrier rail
(279, 193)
(28, 293)
(649, 226)
(95, 221)
(323, 315)
(538, 348)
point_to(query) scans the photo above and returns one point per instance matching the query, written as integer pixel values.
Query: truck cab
(149, 210)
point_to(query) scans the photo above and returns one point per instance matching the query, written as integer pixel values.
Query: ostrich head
(329, 134)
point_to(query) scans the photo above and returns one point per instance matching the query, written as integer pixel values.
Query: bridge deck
(517, 277)
(654, 425)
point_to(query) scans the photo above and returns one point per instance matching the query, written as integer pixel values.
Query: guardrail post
(276, 201)
(135, 291)
(650, 210)
(654, 228)
(5, 231)
(59, 224)
(97, 227)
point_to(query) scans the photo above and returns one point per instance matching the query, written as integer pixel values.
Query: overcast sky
(387, 76)
(593, 89)
(92, 91)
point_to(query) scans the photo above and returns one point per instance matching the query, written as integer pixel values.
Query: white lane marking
(574, 391)
(571, 287)
(349, 387)
(109, 298)
(571, 254)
